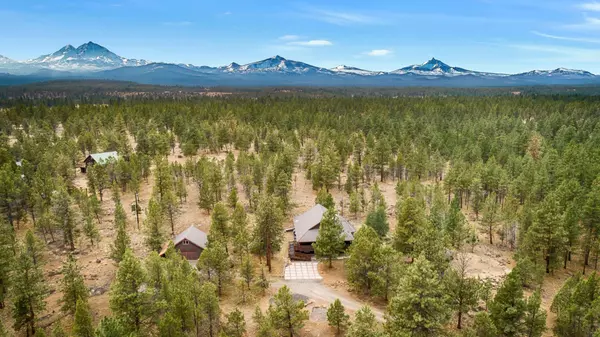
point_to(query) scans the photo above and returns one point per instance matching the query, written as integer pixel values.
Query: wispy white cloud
(590, 6)
(311, 43)
(560, 53)
(227, 13)
(589, 23)
(289, 37)
(178, 23)
(378, 52)
(342, 18)
(566, 38)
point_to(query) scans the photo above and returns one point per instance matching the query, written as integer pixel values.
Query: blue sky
(492, 35)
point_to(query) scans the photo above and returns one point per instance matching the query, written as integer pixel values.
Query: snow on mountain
(559, 72)
(435, 67)
(355, 71)
(5, 60)
(275, 64)
(87, 57)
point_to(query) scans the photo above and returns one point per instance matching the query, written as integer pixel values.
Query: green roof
(104, 157)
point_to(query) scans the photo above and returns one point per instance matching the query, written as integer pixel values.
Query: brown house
(98, 158)
(306, 229)
(190, 243)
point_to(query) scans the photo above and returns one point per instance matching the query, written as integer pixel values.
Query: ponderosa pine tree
(388, 273)
(98, 180)
(64, 216)
(235, 325)
(546, 238)
(507, 309)
(463, 291)
(354, 204)
(491, 216)
(365, 324)
(268, 230)
(337, 317)
(7, 248)
(28, 291)
(72, 286)
(34, 247)
(12, 194)
(219, 224)
(455, 226)
(264, 326)
(410, 223)
(377, 219)
(209, 309)
(82, 323)
(420, 307)
(363, 262)
(214, 263)
(576, 305)
(331, 238)
(325, 199)
(127, 297)
(239, 232)
(287, 314)
(122, 240)
(591, 221)
(534, 323)
(110, 327)
(247, 271)
(58, 331)
(153, 225)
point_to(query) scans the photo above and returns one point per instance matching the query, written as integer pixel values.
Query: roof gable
(193, 235)
(306, 225)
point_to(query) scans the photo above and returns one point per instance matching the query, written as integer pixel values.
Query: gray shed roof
(306, 225)
(104, 156)
(193, 235)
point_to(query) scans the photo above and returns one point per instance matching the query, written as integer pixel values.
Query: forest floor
(486, 261)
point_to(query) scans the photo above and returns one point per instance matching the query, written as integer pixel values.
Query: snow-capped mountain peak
(275, 64)
(353, 70)
(89, 56)
(433, 67)
(6, 60)
(558, 72)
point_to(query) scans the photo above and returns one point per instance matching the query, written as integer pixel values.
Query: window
(186, 242)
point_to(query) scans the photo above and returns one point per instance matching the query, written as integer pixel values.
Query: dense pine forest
(440, 189)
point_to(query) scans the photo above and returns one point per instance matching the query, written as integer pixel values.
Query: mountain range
(93, 61)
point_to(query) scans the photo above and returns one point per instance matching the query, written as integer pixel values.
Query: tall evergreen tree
(337, 317)
(287, 314)
(122, 240)
(491, 216)
(214, 262)
(365, 324)
(268, 231)
(463, 291)
(331, 238)
(410, 223)
(154, 224)
(72, 286)
(235, 325)
(28, 292)
(82, 325)
(507, 310)
(377, 219)
(128, 299)
(420, 308)
(7, 246)
(363, 263)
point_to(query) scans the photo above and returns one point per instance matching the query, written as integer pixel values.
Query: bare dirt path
(321, 294)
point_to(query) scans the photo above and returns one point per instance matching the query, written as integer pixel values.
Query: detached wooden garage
(189, 243)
